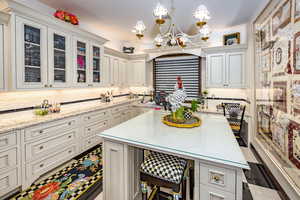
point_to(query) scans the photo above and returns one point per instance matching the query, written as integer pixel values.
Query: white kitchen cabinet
(114, 170)
(122, 72)
(95, 66)
(31, 51)
(59, 60)
(137, 73)
(1, 56)
(225, 70)
(115, 68)
(107, 71)
(81, 60)
(235, 69)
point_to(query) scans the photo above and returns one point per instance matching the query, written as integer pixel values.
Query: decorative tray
(191, 123)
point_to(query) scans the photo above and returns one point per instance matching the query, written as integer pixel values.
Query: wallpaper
(277, 60)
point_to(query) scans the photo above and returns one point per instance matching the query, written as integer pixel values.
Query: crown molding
(4, 18)
(13, 7)
(231, 48)
(112, 52)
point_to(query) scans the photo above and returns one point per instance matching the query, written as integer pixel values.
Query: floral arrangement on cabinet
(67, 17)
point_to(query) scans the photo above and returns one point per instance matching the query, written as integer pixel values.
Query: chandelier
(173, 35)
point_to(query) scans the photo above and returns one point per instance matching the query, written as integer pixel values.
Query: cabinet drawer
(210, 193)
(220, 178)
(35, 169)
(49, 129)
(119, 109)
(96, 116)
(95, 128)
(8, 160)
(8, 140)
(8, 182)
(92, 141)
(46, 147)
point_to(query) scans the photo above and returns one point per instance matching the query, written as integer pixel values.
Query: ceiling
(116, 18)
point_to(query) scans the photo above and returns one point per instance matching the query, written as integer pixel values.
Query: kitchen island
(218, 160)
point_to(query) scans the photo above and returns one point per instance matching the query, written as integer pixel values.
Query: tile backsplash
(21, 99)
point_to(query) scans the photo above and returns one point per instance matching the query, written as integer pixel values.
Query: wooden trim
(280, 190)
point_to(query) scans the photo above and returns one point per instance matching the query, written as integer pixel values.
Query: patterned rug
(72, 182)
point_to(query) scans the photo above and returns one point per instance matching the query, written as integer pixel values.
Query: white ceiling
(115, 18)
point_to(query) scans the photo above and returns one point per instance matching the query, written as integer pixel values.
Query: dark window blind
(167, 69)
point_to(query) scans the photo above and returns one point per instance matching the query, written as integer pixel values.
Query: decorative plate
(191, 123)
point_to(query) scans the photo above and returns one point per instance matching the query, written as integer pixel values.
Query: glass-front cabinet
(59, 73)
(31, 54)
(96, 65)
(81, 60)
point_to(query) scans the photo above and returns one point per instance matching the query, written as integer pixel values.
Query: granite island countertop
(19, 120)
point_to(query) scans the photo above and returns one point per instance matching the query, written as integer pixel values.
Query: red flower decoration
(59, 14)
(68, 17)
(44, 191)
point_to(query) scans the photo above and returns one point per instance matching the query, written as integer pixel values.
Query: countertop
(19, 120)
(212, 141)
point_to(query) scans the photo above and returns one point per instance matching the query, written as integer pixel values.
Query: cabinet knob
(70, 123)
(70, 151)
(50, 85)
(45, 85)
(41, 165)
(89, 129)
(41, 147)
(41, 131)
(70, 136)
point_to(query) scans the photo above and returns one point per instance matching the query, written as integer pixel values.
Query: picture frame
(294, 143)
(297, 10)
(232, 39)
(280, 95)
(296, 97)
(296, 52)
(282, 17)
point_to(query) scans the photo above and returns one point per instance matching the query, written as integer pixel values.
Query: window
(167, 69)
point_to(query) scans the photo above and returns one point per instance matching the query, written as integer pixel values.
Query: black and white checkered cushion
(165, 167)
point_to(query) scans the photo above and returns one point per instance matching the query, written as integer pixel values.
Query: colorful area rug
(71, 182)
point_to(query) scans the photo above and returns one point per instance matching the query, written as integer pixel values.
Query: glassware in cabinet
(96, 64)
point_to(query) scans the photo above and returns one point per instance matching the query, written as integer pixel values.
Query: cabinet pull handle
(41, 165)
(113, 150)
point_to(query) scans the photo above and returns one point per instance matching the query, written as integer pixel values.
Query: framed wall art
(297, 53)
(282, 17)
(280, 95)
(278, 135)
(266, 61)
(297, 10)
(294, 143)
(296, 97)
(281, 57)
(232, 39)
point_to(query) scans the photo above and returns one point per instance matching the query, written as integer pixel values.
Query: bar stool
(161, 170)
(234, 112)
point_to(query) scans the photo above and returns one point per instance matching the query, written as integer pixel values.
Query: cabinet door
(122, 73)
(81, 61)
(59, 67)
(235, 74)
(114, 171)
(215, 69)
(139, 71)
(1, 57)
(116, 71)
(31, 54)
(96, 65)
(106, 74)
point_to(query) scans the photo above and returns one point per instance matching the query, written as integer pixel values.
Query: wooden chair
(161, 170)
(234, 112)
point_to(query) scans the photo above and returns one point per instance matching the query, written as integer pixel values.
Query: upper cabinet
(81, 61)
(59, 62)
(1, 57)
(225, 70)
(137, 72)
(96, 65)
(31, 51)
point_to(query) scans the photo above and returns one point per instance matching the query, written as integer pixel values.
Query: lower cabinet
(114, 169)
(48, 145)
